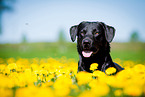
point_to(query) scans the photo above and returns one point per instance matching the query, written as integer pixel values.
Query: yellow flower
(93, 66)
(83, 77)
(10, 60)
(34, 66)
(73, 86)
(47, 84)
(43, 72)
(7, 82)
(6, 92)
(2, 60)
(62, 86)
(98, 73)
(110, 70)
(132, 90)
(93, 83)
(139, 68)
(12, 66)
(62, 92)
(33, 91)
(6, 71)
(99, 88)
(87, 94)
(2, 67)
(128, 64)
(34, 77)
(50, 77)
(124, 74)
(44, 92)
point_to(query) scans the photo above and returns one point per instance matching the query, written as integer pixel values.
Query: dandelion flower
(93, 66)
(133, 90)
(83, 77)
(12, 66)
(110, 70)
(98, 73)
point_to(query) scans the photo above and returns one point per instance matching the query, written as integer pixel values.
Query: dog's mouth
(88, 53)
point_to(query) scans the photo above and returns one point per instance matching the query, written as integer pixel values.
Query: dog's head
(92, 37)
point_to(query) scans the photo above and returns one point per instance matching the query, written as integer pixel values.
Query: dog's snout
(86, 43)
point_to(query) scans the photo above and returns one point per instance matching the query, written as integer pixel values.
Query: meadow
(50, 70)
(123, 51)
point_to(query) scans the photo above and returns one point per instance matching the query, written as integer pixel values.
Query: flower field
(49, 77)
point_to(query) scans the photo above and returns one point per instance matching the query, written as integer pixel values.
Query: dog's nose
(86, 43)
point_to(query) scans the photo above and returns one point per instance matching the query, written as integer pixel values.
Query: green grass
(124, 51)
(128, 51)
(40, 50)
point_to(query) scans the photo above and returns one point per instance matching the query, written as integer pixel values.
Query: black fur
(94, 37)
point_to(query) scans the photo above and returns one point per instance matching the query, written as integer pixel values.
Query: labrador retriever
(93, 45)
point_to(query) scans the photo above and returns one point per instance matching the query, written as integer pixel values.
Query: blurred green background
(133, 50)
(124, 51)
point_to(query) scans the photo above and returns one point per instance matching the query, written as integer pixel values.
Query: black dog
(93, 45)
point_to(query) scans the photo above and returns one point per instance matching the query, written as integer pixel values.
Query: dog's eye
(96, 33)
(83, 32)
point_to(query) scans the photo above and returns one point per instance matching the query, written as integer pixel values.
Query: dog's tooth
(87, 53)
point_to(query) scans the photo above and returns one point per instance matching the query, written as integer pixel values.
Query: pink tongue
(87, 53)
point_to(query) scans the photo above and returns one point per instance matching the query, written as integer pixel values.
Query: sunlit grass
(123, 51)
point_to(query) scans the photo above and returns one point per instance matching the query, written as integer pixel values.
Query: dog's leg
(80, 65)
(80, 68)
(118, 67)
(109, 63)
(104, 67)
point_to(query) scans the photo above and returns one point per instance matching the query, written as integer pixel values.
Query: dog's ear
(73, 32)
(109, 32)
